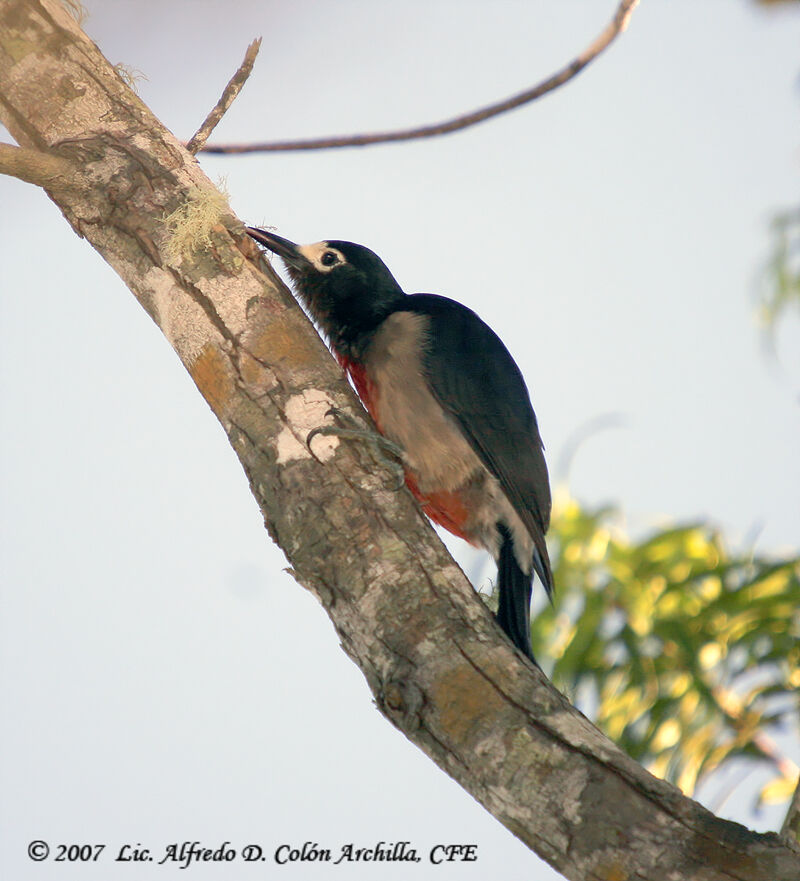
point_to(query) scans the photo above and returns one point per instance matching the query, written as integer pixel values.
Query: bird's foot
(353, 432)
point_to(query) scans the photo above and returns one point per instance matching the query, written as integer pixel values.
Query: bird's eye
(329, 258)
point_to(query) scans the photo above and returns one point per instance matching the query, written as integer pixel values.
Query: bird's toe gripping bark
(353, 432)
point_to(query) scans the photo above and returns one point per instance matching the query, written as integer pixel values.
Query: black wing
(473, 376)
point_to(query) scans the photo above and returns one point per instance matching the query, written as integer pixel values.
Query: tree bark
(439, 667)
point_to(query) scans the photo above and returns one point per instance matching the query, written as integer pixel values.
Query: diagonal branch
(435, 660)
(615, 27)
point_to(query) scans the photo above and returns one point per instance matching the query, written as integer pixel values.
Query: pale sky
(162, 678)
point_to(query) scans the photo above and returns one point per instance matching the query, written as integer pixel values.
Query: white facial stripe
(313, 253)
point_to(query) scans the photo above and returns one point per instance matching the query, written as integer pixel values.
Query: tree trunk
(439, 667)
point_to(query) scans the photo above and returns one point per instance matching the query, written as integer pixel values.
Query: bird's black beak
(285, 249)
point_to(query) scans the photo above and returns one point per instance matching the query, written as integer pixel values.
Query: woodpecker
(439, 384)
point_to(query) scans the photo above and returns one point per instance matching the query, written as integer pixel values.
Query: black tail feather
(541, 563)
(515, 587)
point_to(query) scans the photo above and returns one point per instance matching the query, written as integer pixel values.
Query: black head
(346, 287)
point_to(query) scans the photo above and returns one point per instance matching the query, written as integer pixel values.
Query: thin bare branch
(228, 97)
(34, 166)
(617, 25)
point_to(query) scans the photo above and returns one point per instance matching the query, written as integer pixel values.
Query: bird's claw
(356, 433)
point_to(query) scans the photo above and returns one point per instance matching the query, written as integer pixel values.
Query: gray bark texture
(439, 667)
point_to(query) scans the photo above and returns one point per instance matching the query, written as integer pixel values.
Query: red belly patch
(447, 508)
(364, 387)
